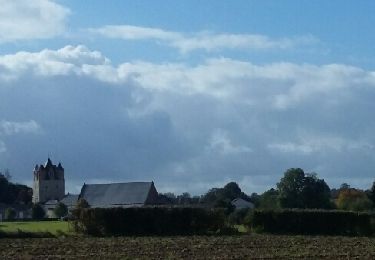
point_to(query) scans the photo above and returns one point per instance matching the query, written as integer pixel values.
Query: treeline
(301, 203)
(301, 190)
(215, 197)
(13, 193)
(296, 189)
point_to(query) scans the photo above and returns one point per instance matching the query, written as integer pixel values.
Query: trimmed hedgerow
(313, 222)
(148, 221)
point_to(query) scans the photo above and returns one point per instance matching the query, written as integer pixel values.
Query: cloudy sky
(191, 94)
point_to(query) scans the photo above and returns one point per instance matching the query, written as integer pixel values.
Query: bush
(237, 217)
(61, 210)
(313, 222)
(37, 212)
(148, 221)
(10, 214)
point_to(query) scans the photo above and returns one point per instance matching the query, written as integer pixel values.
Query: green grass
(53, 227)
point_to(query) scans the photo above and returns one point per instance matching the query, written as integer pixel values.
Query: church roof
(116, 194)
(70, 200)
(48, 163)
(241, 203)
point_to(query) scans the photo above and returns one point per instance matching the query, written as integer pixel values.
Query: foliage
(313, 222)
(61, 210)
(148, 221)
(185, 198)
(299, 190)
(221, 197)
(353, 199)
(237, 217)
(11, 193)
(269, 200)
(82, 204)
(10, 214)
(37, 212)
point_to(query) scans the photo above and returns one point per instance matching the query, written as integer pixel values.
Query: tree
(61, 210)
(299, 190)
(231, 191)
(6, 174)
(315, 193)
(290, 188)
(371, 194)
(269, 200)
(344, 186)
(184, 198)
(82, 204)
(353, 199)
(10, 214)
(37, 212)
(11, 193)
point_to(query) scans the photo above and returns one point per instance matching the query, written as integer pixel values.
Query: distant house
(49, 206)
(70, 200)
(242, 204)
(130, 194)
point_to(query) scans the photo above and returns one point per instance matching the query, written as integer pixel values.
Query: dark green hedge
(148, 221)
(313, 222)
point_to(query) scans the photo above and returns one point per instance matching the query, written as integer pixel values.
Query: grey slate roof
(116, 194)
(70, 200)
(242, 204)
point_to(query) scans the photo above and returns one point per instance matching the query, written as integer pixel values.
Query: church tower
(49, 182)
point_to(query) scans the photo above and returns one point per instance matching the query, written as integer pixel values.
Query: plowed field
(196, 247)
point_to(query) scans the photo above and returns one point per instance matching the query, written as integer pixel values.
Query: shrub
(61, 210)
(10, 214)
(312, 222)
(148, 221)
(237, 217)
(37, 212)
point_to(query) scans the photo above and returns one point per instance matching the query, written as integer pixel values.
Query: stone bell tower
(49, 182)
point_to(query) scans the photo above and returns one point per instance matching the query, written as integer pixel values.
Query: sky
(189, 94)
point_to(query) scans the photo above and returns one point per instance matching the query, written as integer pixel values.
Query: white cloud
(207, 41)
(220, 142)
(10, 128)
(313, 143)
(180, 123)
(129, 32)
(66, 60)
(279, 86)
(37, 19)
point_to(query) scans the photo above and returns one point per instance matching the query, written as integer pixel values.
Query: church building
(49, 190)
(49, 182)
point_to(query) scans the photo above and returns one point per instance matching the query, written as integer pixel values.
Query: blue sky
(190, 94)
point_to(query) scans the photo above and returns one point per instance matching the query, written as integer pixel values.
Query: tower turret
(49, 182)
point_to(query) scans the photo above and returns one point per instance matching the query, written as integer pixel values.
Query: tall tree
(11, 193)
(231, 191)
(269, 199)
(290, 188)
(353, 199)
(299, 190)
